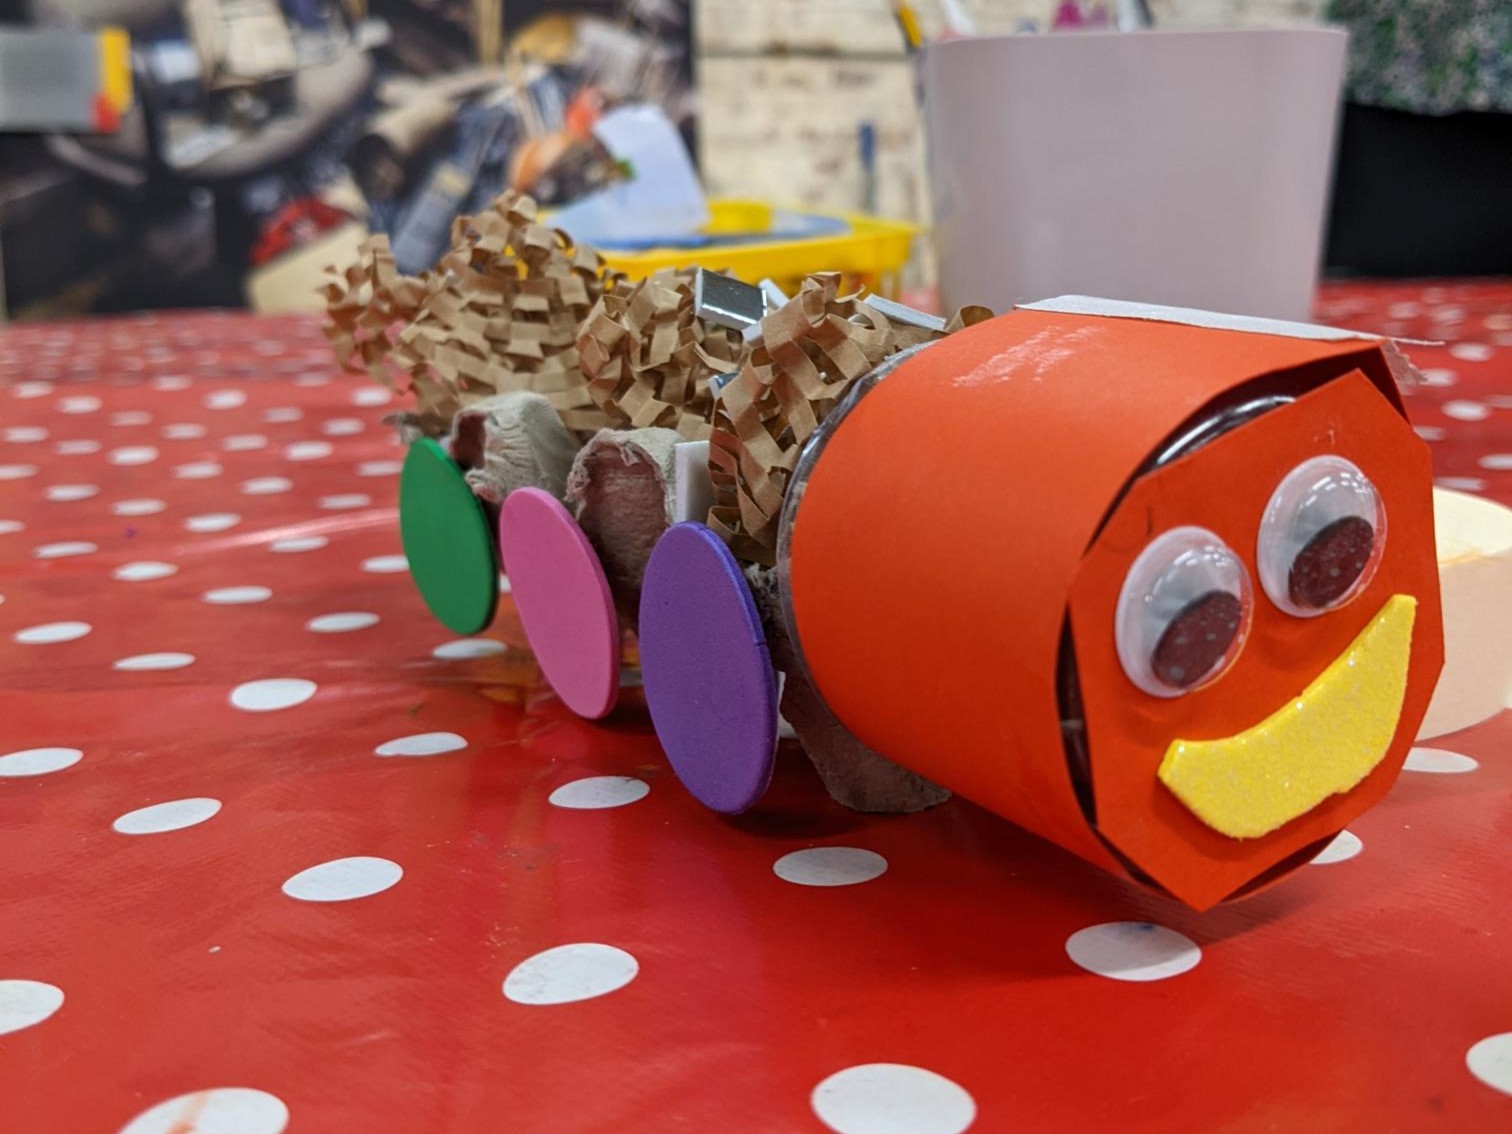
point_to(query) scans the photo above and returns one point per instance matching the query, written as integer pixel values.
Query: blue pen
(867, 137)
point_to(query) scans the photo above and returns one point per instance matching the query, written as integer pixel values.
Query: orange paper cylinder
(961, 538)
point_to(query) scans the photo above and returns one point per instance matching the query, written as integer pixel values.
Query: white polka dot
(66, 550)
(25, 434)
(131, 417)
(308, 450)
(312, 378)
(50, 632)
(371, 396)
(1438, 760)
(66, 492)
(32, 389)
(226, 399)
(145, 506)
(343, 879)
(281, 415)
(1345, 845)
(17, 472)
(77, 448)
(266, 485)
(1490, 1061)
(1497, 462)
(569, 973)
(469, 648)
(1466, 411)
(1133, 950)
(143, 571)
(133, 455)
(342, 622)
(154, 661)
(380, 468)
(1461, 483)
(170, 382)
(174, 815)
(385, 564)
(1438, 377)
(892, 1098)
(596, 792)
(1430, 432)
(299, 543)
(237, 596)
(25, 1003)
(197, 470)
(222, 1110)
(272, 693)
(343, 501)
(9, 526)
(1471, 352)
(1404, 310)
(38, 761)
(184, 431)
(342, 426)
(422, 744)
(244, 442)
(79, 403)
(212, 522)
(830, 866)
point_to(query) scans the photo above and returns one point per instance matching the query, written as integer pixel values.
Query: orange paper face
(1224, 487)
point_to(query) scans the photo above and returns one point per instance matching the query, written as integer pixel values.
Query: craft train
(1157, 585)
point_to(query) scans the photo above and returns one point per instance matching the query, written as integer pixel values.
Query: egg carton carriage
(1158, 585)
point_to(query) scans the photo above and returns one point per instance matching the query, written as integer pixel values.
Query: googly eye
(1183, 613)
(1321, 537)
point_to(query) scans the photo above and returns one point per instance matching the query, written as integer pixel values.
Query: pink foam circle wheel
(563, 600)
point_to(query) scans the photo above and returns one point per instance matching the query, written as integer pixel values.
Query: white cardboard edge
(1192, 317)
(692, 489)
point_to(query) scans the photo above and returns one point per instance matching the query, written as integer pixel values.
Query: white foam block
(692, 490)
(1474, 538)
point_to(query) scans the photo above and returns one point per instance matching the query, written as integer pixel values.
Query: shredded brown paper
(811, 351)
(500, 312)
(649, 360)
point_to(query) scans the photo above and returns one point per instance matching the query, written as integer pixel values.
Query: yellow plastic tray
(872, 253)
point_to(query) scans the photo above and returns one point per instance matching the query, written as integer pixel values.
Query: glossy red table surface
(186, 970)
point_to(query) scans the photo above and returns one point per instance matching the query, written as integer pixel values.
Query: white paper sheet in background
(662, 198)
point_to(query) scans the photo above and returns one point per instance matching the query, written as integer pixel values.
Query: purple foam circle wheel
(707, 674)
(563, 600)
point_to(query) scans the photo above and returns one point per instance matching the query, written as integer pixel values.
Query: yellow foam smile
(1321, 743)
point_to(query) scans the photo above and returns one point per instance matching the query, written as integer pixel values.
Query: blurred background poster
(263, 139)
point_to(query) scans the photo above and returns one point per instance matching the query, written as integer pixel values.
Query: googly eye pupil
(1326, 569)
(1197, 639)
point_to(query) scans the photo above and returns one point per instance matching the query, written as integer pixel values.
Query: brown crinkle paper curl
(812, 350)
(649, 360)
(500, 312)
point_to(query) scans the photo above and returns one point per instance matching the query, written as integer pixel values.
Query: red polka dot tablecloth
(277, 852)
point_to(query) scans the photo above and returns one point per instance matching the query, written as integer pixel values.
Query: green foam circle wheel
(448, 540)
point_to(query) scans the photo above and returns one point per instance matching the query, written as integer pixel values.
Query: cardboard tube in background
(384, 157)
